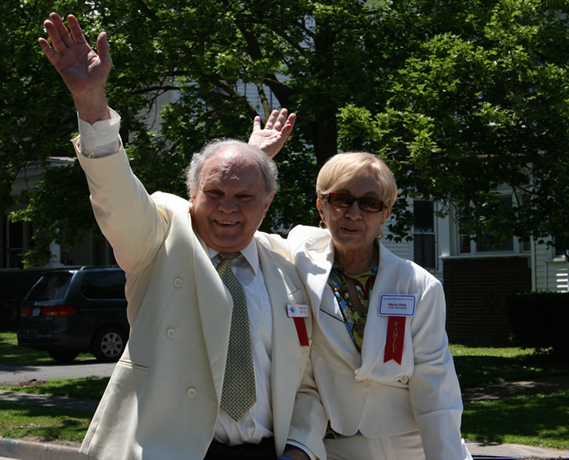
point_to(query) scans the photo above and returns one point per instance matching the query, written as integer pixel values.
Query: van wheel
(108, 344)
(63, 356)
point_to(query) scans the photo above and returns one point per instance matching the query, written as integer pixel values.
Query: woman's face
(352, 229)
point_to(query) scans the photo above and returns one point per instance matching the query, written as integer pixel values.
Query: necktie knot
(225, 261)
(228, 255)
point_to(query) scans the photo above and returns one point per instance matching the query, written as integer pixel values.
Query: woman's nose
(354, 212)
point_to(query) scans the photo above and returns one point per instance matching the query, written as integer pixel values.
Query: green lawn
(482, 366)
(82, 388)
(11, 353)
(539, 419)
(19, 421)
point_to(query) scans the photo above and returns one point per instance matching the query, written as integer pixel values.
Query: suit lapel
(215, 306)
(315, 266)
(286, 350)
(314, 261)
(375, 333)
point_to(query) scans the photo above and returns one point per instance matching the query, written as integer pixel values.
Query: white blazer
(163, 398)
(360, 391)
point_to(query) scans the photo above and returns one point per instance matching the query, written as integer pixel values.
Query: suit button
(178, 283)
(191, 393)
(171, 333)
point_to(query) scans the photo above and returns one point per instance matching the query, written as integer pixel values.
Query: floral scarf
(363, 282)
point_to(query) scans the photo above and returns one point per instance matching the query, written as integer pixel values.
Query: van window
(103, 284)
(50, 287)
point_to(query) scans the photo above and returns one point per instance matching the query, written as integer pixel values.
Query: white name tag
(397, 305)
(297, 311)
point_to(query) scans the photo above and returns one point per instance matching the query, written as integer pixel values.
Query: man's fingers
(281, 119)
(256, 123)
(291, 120)
(271, 120)
(48, 51)
(76, 32)
(55, 37)
(103, 49)
(61, 30)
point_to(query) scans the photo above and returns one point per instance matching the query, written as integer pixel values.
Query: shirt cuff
(300, 446)
(100, 138)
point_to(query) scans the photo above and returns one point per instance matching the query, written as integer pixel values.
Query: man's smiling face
(230, 202)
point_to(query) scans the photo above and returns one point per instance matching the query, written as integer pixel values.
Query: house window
(465, 243)
(525, 246)
(483, 237)
(424, 234)
(17, 242)
(483, 242)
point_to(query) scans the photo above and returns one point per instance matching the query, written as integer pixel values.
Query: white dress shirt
(258, 422)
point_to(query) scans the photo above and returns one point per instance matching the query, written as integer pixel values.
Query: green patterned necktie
(238, 394)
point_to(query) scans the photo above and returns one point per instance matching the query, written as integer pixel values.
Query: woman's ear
(387, 214)
(319, 206)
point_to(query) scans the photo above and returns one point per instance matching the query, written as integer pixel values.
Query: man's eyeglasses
(345, 200)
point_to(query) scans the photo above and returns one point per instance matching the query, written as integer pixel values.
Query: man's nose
(228, 204)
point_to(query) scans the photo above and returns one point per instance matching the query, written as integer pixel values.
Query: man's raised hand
(84, 71)
(277, 129)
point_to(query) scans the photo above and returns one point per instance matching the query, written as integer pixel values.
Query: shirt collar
(250, 253)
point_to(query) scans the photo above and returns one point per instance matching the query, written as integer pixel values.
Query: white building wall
(403, 249)
(152, 118)
(551, 273)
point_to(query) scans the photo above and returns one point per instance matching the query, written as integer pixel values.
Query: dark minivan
(70, 311)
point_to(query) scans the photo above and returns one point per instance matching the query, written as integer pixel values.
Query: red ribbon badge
(298, 312)
(301, 330)
(394, 340)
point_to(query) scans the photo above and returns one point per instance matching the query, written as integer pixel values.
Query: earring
(380, 236)
(322, 224)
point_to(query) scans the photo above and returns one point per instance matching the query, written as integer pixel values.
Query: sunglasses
(345, 200)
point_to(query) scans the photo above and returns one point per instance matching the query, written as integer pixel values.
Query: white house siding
(403, 249)
(551, 272)
(152, 118)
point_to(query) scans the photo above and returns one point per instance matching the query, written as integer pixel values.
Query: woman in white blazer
(380, 351)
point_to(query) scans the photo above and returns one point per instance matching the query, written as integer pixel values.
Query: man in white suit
(163, 400)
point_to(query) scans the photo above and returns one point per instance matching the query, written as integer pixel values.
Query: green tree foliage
(59, 209)
(480, 101)
(458, 97)
(37, 121)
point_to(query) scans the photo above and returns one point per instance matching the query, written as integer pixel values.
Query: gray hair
(267, 165)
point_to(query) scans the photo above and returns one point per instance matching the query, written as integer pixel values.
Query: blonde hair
(344, 168)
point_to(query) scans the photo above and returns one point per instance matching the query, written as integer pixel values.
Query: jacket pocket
(133, 365)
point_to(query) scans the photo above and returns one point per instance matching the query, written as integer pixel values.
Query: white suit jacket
(359, 391)
(163, 398)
